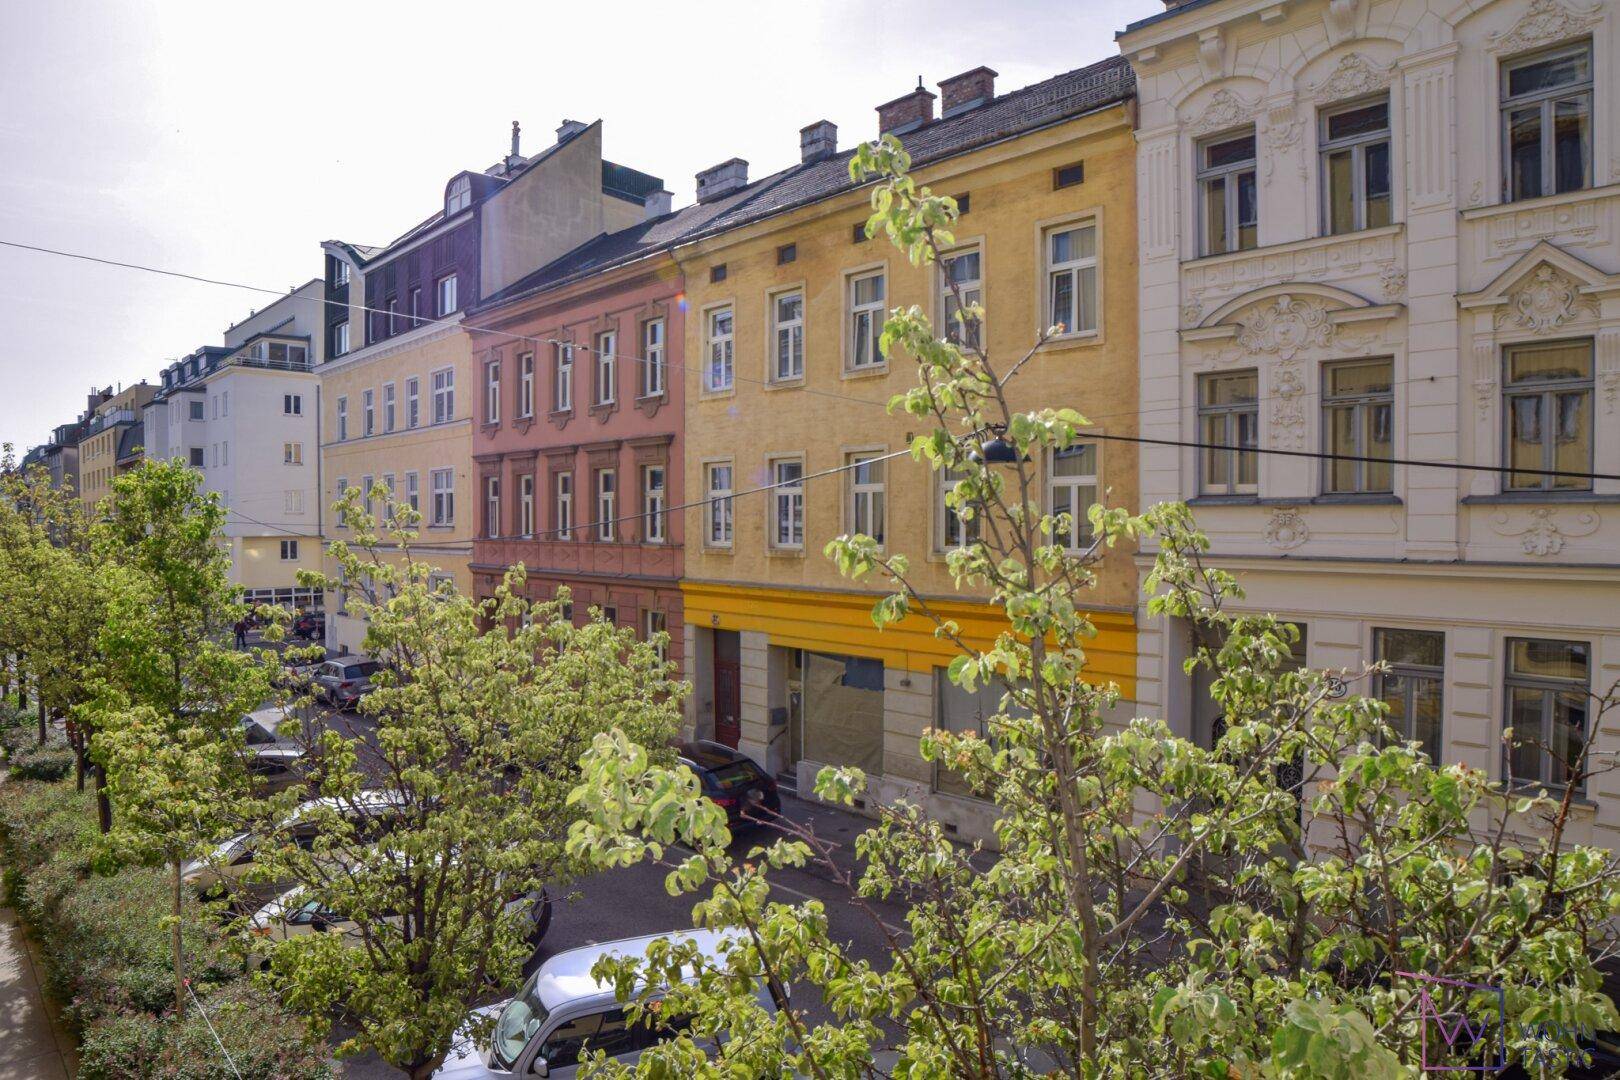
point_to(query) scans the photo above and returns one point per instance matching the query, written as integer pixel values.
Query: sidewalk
(32, 1041)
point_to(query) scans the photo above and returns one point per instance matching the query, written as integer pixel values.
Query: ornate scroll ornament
(1544, 303)
(1354, 76)
(1287, 410)
(1283, 132)
(1285, 326)
(1191, 309)
(1287, 529)
(1393, 280)
(1540, 532)
(1225, 109)
(1546, 21)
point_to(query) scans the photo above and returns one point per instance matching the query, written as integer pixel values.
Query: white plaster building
(1392, 230)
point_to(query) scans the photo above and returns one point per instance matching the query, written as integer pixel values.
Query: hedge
(29, 760)
(105, 939)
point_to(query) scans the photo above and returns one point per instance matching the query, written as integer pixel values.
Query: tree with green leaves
(438, 839)
(1153, 907)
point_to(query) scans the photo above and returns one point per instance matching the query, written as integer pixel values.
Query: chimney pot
(962, 92)
(818, 141)
(906, 113)
(723, 179)
(516, 133)
(657, 204)
(568, 129)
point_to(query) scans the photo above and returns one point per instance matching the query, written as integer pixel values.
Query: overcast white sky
(229, 139)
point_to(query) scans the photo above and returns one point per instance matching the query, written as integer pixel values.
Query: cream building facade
(1392, 231)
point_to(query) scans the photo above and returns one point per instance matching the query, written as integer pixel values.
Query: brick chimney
(656, 204)
(962, 92)
(906, 113)
(723, 179)
(818, 142)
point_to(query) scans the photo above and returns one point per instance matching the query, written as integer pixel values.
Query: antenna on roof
(920, 83)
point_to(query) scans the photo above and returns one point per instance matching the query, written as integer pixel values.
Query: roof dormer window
(459, 196)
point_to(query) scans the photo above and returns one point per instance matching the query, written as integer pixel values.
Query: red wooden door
(727, 702)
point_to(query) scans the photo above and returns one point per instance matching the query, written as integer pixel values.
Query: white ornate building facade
(1390, 232)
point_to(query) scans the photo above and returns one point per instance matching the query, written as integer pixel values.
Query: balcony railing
(282, 354)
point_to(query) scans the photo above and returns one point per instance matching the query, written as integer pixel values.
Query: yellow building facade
(784, 658)
(99, 448)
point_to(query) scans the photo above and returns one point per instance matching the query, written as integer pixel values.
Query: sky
(227, 140)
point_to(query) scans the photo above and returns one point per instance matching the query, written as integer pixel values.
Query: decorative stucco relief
(1225, 109)
(1546, 21)
(1335, 259)
(1353, 76)
(1341, 17)
(1541, 531)
(1284, 132)
(1286, 529)
(1288, 406)
(1285, 326)
(1544, 303)
(1567, 224)
(1392, 279)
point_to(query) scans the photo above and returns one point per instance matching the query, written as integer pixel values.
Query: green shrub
(31, 761)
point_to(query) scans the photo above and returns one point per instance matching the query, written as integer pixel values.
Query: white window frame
(607, 497)
(390, 407)
(292, 404)
(340, 345)
(368, 413)
(653, 623)
(459, 197)
(292, 453)
(972, 290)
(492, 392)
(719, 523)
(1230, 176)
(865, 321)
(1072, 269)
(340, 273)
(562, 506)
(526, 505)
(1358, 145)
(413, 490)
(719, 349)
(1080, 537)
(787, 332)
(653, 332)
(445, 288)
(443, 382)
(526, 386)
(443, 482)
(1546, 100)
(562, 386)
(787, 525)
(289, 551)
(413, 402)
(1231, 427)
(653, 499)
(951, 532)
(492, 507)
(605, 368)
(867, 499)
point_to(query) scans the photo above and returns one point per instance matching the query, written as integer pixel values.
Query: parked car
(223, 871)
(311, 626)
(734, 781)
(293, 914)
(562, 1011)
(277, 763)
(300, 668)
(342, 683)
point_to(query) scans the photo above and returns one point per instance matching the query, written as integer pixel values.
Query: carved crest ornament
(1354, 76)
(1545, 302)
(1541, 532)
(1285, 326)
(1287, 529)
(1225, 109)
(1546, 21)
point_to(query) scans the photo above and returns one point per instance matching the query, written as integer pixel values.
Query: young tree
(438, 837)
(1156, 907)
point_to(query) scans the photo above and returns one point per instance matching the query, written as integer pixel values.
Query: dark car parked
(734, 781)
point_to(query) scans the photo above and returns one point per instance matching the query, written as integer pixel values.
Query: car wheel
(541, 919)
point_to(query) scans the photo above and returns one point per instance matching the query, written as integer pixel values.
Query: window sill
(876, 371)
(1356, 498)
(708, 549)
(1554, 792)
(795, 383)
(1227, 500)
(710, 395)
(1495, 209)
(1292, 245)
(442, 528)
(784, 553)
(1059, 342)
(1512, 498)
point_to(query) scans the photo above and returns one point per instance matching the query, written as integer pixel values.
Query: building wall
(778, 599)
(421, 449)
(631, 573)
(1460, 275)
(98, 450)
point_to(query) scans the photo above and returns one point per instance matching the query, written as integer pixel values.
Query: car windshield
(519, 1022)
(369, 668)
(736, 775)
(257, 733)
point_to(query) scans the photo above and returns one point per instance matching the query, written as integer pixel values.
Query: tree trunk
(44, 728)
(103, 804)
(179, 959)
(78, 759)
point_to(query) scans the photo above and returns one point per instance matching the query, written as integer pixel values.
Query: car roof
(566, 978)
(709, 755)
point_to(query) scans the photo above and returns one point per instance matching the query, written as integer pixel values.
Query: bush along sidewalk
(105, 938)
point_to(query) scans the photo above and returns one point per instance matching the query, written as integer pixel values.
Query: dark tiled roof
(1019, 112)
(131, 442)
(1169, 12)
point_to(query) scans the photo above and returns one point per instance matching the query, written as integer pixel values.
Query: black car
(733, 780)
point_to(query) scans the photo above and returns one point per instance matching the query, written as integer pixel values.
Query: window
(1355, 166)
(389, 493)
(444, 496)
(787, 497)
(606, 368)
(563, 386)
(391, 316)
(865, 321)
(444, 396)
(459, 196)
(858, 233)
(1068, 175)
(292, 501)
(606, 496)
(289, 551)
(1413, 688)
(1228, 200)
(1228, 426)
(652, 358)
(413, 491)
(447, 294)
(717, 274)
(413, 402)
(961, 276)
(1072, 488)
(866, 510)
(652, 503)
(225, 403)
(340, 339)
(717, 375)
(1548, 409)
(786, 253)
(292, 404)
(717, 527)
(492, 506)
(961, 712)
(197, 457)
(197, 410)
(526, 505)
(415, 306)
(563, 514)
(368, 412)
(1547, 122)
(1547, 687)
(292, 453)
(340, 273)
(788, 312)
(389, 410)
(225, 453)
(368, 493)
(492, 392)
(654, 623)
(526, 385)
(1357, 415)
(342, 488)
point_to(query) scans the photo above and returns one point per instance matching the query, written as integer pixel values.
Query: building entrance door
(727, 688)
